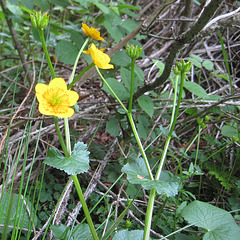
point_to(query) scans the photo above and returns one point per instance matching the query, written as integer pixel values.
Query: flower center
(55, 100)
(56, 97)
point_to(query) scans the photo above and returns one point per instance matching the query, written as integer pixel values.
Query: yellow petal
(40, 88)
(73, 97)
(46, 111)
(67, 114)
(58, 83)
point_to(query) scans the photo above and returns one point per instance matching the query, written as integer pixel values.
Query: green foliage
(129, 235)
(77, 163)
(62, 232)
(218, 223)
(137, 174)
(146, 104)
(15, 209)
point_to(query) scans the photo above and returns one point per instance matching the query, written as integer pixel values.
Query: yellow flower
(99, 58)
(92, 32)
(55, 99)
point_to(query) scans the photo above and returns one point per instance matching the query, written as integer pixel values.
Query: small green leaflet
(219, 224)
(77, 163)
(137, 174)
(146, 104)
(196, 89)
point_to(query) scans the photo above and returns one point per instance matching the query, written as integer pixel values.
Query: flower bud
(39, 20)
(183, 67)
(134, 51)
(235, 139)
(207, 118)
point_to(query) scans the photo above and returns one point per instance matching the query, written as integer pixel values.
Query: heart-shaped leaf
(77, 163)
(219, 224)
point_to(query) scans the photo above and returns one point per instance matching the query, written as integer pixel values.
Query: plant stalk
(60, 137)
(85, 208)
(160, 166)
(41, 35)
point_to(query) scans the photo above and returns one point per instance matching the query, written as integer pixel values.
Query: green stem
(85, 208)
(132, 85)
(160, 166)
(132, 125)
(41, 35)
(140, 145)
(113, 93)
(67, 136)
(60, 137)
(76, 61)
(80, 75)
(148, 219)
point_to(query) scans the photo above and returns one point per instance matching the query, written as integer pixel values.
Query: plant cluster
(151, 161)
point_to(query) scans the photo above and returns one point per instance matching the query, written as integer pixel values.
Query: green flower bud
(207, 118)
(235, 139)
(176, 71)
(199, 121)
(39, 20)
(203, 125)
(134, 51)
(183, 67)
(128, 223)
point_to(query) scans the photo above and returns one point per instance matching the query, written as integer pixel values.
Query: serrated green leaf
(44, 5)
(117, 87)
(77, 38)
(129, 235)
(66, 52)
(195, 89)
(195, 60)
(137, 174)
(112, 23)
(121, 58)
(126, 78)
(208, 65)
(112, 126)
(219, 224)
(229, 131)
(62, 3)
(146, 104)
(77, 163)
(100, 6)
(129, 25)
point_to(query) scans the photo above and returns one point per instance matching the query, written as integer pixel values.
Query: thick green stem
(148, 219)
(41, 35)
(85, 208)
(60, 137)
